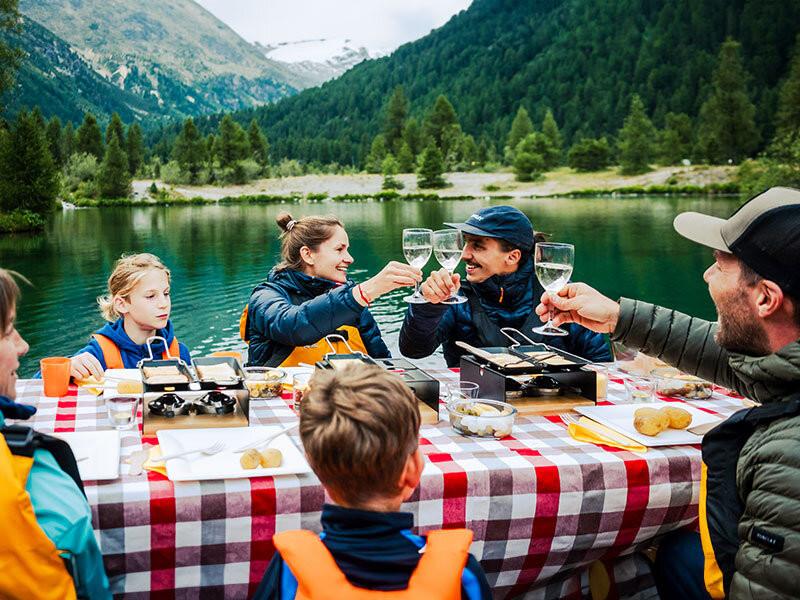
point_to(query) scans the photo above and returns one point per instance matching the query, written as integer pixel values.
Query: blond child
(137, 307)
(360, 431)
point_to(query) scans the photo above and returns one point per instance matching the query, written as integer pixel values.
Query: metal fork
(567, 419)
(215, 448)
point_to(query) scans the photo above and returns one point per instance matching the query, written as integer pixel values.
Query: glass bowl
(673, 383)
(263, 382)
(481, 418)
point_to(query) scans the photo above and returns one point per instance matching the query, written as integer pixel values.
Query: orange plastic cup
(55, 375)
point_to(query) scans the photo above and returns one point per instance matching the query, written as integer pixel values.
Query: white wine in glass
(553, 263)
(417, 248)
(448, 245)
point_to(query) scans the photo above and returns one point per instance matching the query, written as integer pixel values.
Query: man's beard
(739, 328)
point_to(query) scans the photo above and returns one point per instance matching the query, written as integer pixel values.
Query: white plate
(619, 417)
(114, 376)
(101, 449)
(225, 465)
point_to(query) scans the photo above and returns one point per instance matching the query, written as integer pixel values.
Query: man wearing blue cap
(501, 291)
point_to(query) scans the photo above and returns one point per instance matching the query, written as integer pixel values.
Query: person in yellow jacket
(47, 521)
(360, 431)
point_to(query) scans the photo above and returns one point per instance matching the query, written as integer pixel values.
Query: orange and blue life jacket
(289, 315)
(115, 350)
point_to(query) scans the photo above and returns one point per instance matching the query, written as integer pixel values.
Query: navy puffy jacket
(275, 322)
(508, 301)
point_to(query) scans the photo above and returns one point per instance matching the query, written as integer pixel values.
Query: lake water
(217, 254)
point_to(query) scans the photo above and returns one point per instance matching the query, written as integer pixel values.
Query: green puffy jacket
(752, 509)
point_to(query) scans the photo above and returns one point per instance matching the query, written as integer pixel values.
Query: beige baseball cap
(764, 233)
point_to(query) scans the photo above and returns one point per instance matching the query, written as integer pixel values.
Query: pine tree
(675, 140)
(521, 127)
(114, 179)
(431, 168)
(211, 143)
(787, 118)
(441, 121)
(189, 150)
(28, 177)
(55, 142)
(259, 148)
(552, 133)
(528, 166)
(412, 135)
(636, 140)
(727, 129)
(589, 155)
(89, 137)
(115, 126)
(231, 144)
(389, 167)
(376, 154)
(405, 158)
(396, 113)
(69, 140)
(135, 149)
(539, 144)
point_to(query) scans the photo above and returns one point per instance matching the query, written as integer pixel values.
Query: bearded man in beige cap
(749, 541)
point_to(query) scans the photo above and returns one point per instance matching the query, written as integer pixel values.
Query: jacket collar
(773, 376)
(363, 523)
(507, 291)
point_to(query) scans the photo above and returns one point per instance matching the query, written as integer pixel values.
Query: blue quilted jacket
(293, 309)
(508, 301)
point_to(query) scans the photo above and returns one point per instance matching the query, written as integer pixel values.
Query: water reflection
(217, 254)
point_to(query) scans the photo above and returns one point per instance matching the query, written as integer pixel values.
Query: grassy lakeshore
(563, 181)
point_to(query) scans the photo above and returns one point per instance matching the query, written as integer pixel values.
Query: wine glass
(553, 263)
(447, 247)
(417, 248)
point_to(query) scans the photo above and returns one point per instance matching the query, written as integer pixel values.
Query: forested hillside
(584, 59)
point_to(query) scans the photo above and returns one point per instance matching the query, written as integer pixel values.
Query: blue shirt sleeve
(66, 518)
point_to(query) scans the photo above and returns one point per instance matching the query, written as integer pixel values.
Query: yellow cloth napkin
(586, 430)
(156, 467)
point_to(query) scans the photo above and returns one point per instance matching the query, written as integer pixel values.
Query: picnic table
(542, 506)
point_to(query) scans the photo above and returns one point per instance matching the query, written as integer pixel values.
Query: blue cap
(504, 222)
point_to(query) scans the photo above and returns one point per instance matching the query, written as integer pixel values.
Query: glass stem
(416, 290)
(550, 313)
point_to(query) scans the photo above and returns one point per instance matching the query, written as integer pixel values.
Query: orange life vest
(437, 576)
(113, 357)
(30, 565)
(314, 353)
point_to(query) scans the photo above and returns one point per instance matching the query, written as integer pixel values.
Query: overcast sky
(377, 24)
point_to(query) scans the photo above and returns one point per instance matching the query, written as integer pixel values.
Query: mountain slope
(53, 77)
(582, 58)
(175, 52)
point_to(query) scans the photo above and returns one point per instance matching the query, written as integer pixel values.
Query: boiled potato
(271, 458)
(650, 421)
(678, 417)
(251, 459)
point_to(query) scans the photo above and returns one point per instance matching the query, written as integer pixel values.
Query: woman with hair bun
(308, 296)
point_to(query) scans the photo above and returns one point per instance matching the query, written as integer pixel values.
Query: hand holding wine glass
(448, 244)
(553, 263)
(417, 248)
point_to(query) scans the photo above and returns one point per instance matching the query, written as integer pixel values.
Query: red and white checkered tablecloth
(542, 506)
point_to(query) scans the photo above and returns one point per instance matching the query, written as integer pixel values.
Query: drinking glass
(553, 263)
(462, 390)
(447, 247)
(417, 248)
(300, 383)
(640, 389)
(122, 411)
